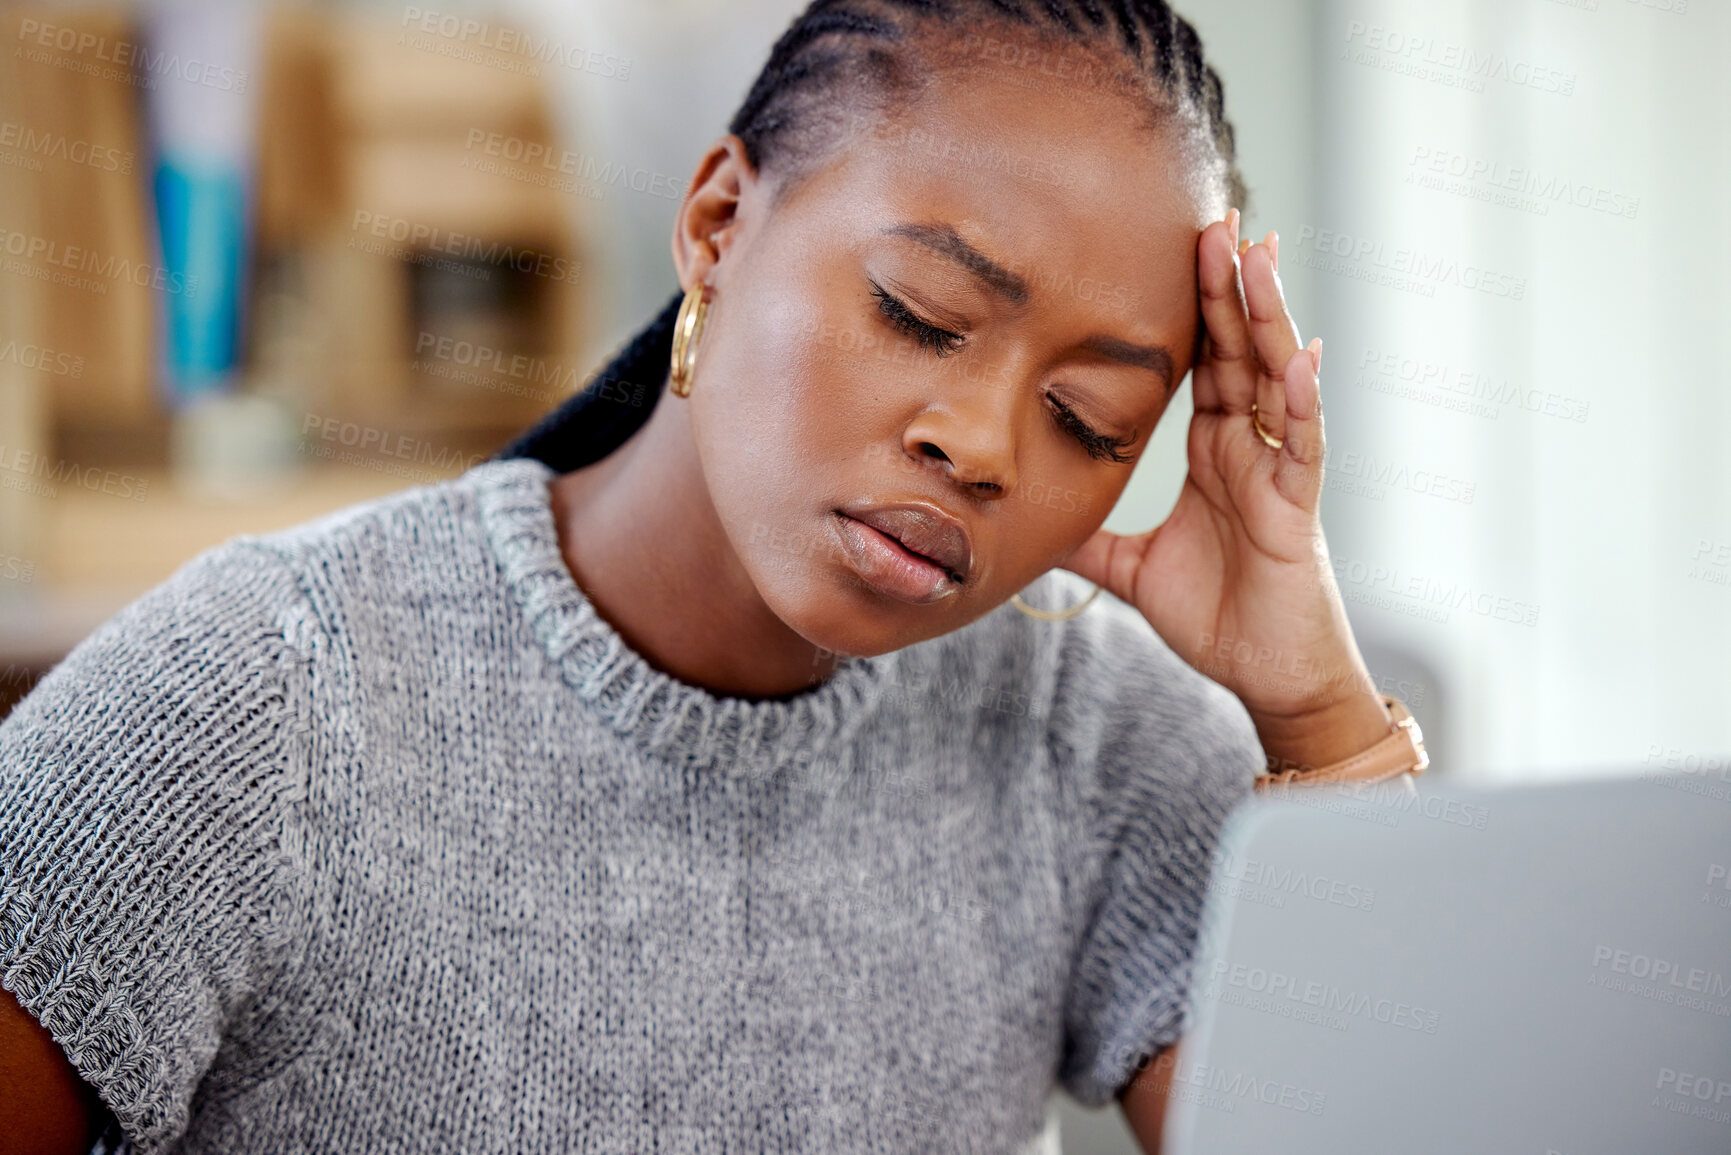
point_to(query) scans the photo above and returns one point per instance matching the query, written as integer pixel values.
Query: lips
(922, 529)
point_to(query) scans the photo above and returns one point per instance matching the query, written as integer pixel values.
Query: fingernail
(1232, 223)
(1316, 355)
(1273, 243)
(1244, 246)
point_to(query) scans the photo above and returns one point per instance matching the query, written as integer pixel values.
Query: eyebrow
(946, 241)
(1152, 357)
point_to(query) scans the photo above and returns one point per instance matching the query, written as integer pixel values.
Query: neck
(644, 543)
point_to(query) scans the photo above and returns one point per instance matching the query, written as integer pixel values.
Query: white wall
(1592, 522)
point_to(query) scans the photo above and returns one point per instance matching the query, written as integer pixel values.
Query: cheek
(1051, 511)
(778, 412)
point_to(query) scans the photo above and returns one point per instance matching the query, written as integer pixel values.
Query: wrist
(1323, 737)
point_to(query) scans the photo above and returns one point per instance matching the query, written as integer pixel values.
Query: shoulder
(152, 793)
(351, 570)
(240, 625)
(210, 659)
(423, 526)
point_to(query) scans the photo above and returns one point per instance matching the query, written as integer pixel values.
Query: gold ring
(1268, 438)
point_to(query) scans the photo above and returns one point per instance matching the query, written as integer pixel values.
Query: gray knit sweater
(371, 835)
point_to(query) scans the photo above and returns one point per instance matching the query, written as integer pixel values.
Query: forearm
(1349, 727)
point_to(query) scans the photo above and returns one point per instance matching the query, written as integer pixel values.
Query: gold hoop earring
(1063, 615)
(687, 329)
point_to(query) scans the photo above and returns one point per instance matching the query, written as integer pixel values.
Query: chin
(830, 608)
(834, 615)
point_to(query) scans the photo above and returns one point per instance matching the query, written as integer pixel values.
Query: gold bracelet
(1401, 754)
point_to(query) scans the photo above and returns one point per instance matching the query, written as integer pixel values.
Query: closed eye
(1098, 445)
(942, 342)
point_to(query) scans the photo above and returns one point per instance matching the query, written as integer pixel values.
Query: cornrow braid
(839, 56)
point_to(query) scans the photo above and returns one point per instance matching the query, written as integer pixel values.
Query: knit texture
(371, 834)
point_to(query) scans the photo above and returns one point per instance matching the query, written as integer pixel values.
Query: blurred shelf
(103, 552)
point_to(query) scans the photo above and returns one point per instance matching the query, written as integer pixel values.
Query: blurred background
(258, 262)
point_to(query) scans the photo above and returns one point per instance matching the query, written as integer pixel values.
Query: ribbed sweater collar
(679, 722)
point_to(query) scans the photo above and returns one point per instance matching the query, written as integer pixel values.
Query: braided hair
(840, 57)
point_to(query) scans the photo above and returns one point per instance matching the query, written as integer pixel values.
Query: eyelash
(1098, 445)
(942, 342)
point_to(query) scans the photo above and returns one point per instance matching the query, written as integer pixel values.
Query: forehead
(1062, 179)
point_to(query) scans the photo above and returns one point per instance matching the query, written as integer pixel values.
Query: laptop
(1541, 970)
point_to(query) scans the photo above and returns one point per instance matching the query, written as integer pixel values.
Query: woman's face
(963, 328)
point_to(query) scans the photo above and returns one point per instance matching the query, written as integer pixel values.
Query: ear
(711, 215)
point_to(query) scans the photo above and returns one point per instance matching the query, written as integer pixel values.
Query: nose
(969, 430)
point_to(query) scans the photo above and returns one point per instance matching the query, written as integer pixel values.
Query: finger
(1298, 476)
(1273, 335)
(1226, 378)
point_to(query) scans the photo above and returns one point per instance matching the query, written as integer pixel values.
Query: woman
(678, 779)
